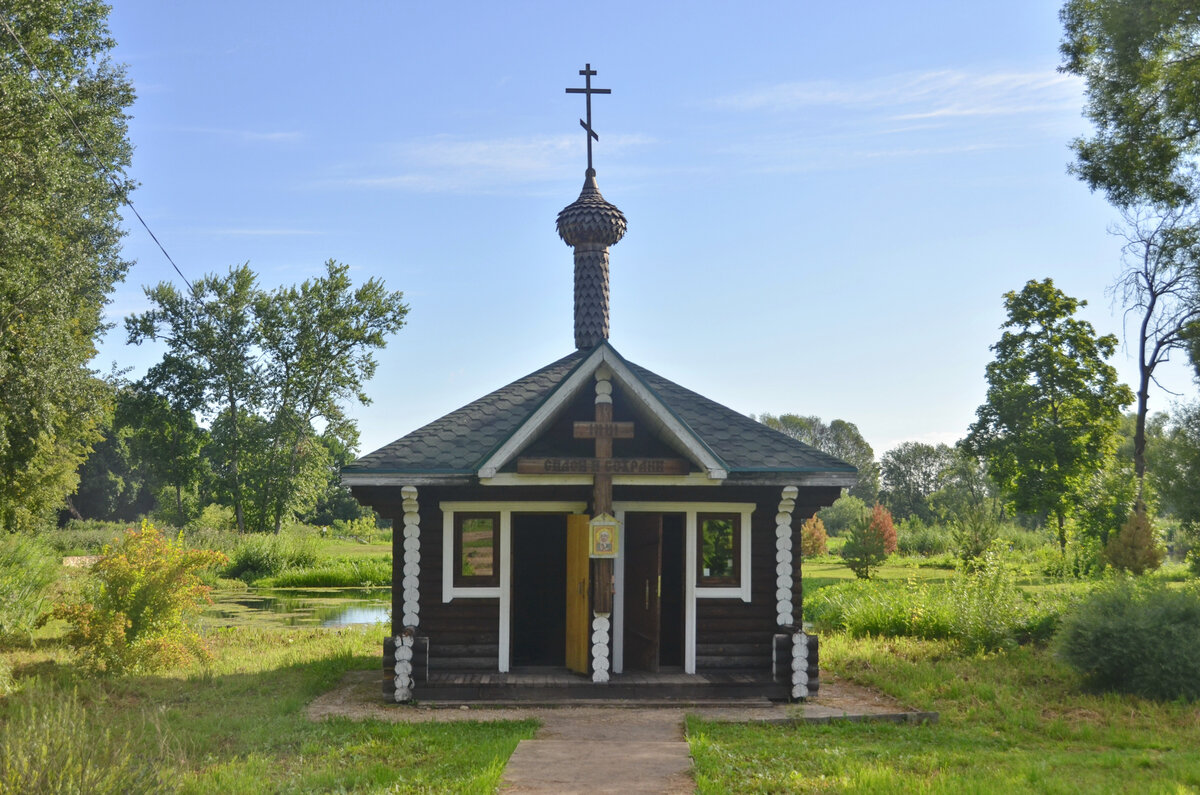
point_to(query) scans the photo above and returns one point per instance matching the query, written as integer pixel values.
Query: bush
(131, 613)
(914, 537)
(1137, 637)
(813, 541)
(213, 518)
(340, 573)
(28, 570)
(1134, 549)
(362, 529)
(265, 555)
(842, 515)
(52, 743)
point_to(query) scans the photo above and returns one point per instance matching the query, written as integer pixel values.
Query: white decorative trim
(690, 592)
(784, 615)
(403, 646)
(504, 592)
(799, 665)
(675, 431)
(600, 646)
(517, 479)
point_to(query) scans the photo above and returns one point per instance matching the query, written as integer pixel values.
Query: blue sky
(826, 201)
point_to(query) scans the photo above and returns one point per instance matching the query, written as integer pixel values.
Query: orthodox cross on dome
(587, 73)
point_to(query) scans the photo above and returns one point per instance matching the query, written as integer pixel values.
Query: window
(477, 549)
(719, 538)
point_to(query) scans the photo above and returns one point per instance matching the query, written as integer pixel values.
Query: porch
(557, 685)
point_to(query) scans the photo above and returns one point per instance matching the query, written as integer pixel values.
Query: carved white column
(799, 665)
(600, 664)
(783, 558)
(411, 601)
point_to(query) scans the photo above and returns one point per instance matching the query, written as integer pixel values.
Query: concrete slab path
(575, 751)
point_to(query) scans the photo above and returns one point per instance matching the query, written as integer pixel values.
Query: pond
(298, 607)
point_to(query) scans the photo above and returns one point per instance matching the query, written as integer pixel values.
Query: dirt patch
(358, 697)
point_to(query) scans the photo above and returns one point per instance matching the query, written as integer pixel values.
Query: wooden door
(578, 630)
(643, 594)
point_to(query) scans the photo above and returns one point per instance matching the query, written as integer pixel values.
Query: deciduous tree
(839, 439)
(1140, 60)
(63, 154)
(1053, 403)
(912, 474)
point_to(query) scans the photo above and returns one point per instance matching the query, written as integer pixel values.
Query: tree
(212, 353)
(1053, 404)
(266, 368)
(64, 150)
(1135, 549)
(872, 538)
(1160, 285)
(1141, 64)
(912, 473)
(839, 439)
(1175, 465)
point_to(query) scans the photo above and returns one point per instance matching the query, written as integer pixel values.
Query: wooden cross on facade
(587, 73)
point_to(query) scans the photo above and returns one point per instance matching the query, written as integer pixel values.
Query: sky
(826, 201)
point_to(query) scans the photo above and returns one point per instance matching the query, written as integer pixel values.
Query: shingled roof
(463, 440)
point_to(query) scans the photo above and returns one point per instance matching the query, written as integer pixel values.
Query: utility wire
(89, 149)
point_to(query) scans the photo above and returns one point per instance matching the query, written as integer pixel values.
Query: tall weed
(52, 743)
(263, 555)
(28, 570)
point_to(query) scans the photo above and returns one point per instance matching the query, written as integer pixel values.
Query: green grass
(1017, 721)
(360, 572)
(237, 723)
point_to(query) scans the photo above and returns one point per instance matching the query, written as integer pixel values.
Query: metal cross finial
(587, 73)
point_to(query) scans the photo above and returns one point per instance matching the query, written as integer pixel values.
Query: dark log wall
(736, 635)
(463, 635)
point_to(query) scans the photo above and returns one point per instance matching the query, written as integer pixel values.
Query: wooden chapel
(593, 530)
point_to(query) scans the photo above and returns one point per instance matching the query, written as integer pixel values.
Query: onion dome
(590, 219)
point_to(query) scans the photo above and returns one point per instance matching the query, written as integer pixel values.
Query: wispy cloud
(247, 136)
(457, 164)
(920, 95)
(262, 232)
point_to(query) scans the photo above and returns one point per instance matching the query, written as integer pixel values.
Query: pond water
(299, 607)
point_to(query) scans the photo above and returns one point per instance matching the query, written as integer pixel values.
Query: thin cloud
(921, 95)
(248, 136)
(263, 232)
(457, 164)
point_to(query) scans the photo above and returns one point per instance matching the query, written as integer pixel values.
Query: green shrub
(1019, 539)
(914, 537)
(361, 529)
(1137, 637)
(974, 533)
(52, 743)
(28, 570)
(842, 515)
(213, 517)
(131, 612)
(263, 555)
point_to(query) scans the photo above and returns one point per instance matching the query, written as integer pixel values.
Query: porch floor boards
(563, 685)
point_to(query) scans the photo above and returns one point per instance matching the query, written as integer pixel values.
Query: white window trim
(690, 592)
(504, 593)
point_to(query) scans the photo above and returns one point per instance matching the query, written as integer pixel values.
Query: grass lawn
(237, 724)
(1010, 722)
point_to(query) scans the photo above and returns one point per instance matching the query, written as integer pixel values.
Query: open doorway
(653, 592)
(539, 577)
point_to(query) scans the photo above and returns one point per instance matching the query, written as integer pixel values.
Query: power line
(89, 149)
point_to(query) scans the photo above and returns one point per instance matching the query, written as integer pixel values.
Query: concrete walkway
(603, 749)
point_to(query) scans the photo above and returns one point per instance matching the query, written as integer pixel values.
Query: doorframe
(690, 592)
(504, 593)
